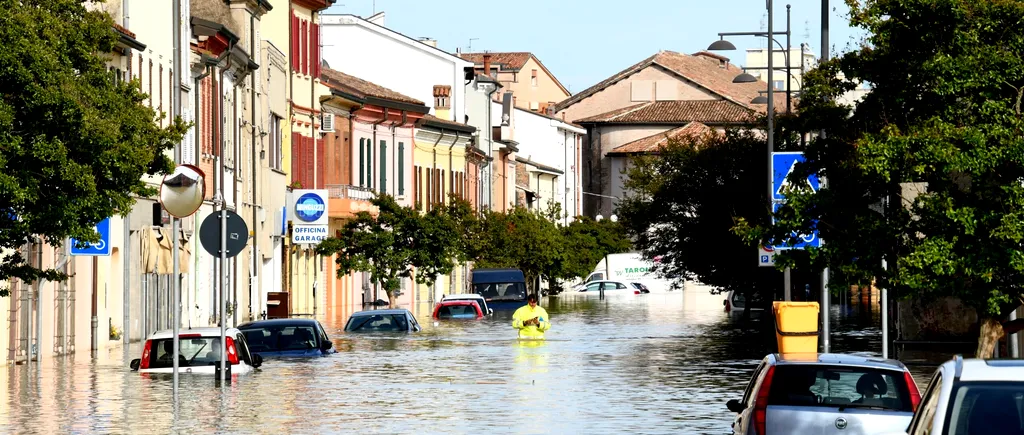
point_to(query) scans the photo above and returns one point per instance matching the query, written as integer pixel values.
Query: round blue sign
(310, 207)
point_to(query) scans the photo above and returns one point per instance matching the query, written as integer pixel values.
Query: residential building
(801, 59)
(549, 151)
(522, 74)
(440, 171)
(662, 93)
(371, 152)
(366, 48)
(479, 169)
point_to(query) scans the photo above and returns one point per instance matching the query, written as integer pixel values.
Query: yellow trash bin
(796, 326)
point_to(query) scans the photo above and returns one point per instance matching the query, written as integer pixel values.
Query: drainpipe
(255, 248)
(236, 151)
(433, 176)
(219, 120)
(124, 18)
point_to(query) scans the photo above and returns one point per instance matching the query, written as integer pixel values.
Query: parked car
(287, 338)
(735, 302)
(618, 287)
(470, 297)
(825, 394)
(395, 320)
(198, 352)
(452, 309)
(639, 288)
(972, 396)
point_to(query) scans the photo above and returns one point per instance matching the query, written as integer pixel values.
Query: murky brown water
(627, 364)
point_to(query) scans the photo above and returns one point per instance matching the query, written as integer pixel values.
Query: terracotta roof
(124, 30)
(707, 70)
(511, 60)
(362, 88)
(675, 112)
(545, 115)
(653, 143)
(431, 119)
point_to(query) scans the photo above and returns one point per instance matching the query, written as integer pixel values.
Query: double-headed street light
(723, 45)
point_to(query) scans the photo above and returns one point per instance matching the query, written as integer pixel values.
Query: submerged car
(480, 300)
(826, 394)
(287, 338)
(394, 320)
(458, 309)
(198, 352)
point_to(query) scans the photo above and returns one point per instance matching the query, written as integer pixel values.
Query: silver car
(973, 396)
(825, 394)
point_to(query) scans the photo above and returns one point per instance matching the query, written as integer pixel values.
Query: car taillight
(727, 307)
(915, 394)
(189, 335)
(761, 405)
(636, 292)
(232, 352)
(144, 364)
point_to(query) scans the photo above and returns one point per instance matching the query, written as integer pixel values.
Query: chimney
(487, 64)
(429, 41)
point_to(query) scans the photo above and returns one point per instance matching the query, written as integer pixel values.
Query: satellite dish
(182, 191)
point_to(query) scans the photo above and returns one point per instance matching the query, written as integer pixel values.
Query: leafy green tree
(925, 173)
(584, 243)
(685, 201)
(74, 142)
(397, 243)
(519, 238)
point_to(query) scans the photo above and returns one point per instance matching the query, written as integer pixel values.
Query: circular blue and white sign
(310, 207)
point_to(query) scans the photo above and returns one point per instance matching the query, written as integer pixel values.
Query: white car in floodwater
(198, 352)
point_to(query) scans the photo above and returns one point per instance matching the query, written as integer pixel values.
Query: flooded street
(657, 363)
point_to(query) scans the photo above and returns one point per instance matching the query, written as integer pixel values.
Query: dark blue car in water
(287, 338)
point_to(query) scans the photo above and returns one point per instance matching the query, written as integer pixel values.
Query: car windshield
(274, 338)
(378, 323)
(739, 300)
(198, 351)
(987, 408)
(456, 312)
(839, 386)
(504, 291)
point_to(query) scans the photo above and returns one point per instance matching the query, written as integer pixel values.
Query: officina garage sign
(311, 219)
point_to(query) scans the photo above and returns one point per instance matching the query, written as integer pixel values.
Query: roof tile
(339, 80)
(511, 60)
(675, 112)
(654, 143)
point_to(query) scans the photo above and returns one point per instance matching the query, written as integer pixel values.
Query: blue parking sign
(101, 247)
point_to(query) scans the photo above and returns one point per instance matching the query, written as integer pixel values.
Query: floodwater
(656, 363)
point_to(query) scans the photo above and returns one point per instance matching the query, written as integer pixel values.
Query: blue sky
(584, 41)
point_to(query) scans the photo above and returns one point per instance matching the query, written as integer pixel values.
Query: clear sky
(585, 41)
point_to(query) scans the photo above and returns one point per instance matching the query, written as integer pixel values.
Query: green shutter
(401, 168)
(383, 166)
(362, 162)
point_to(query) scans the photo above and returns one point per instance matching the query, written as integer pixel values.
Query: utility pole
(175, 221)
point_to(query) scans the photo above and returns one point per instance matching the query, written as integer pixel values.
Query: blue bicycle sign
(102, 247)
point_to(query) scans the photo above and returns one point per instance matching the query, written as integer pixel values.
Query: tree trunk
(392, 303)
(989, 334)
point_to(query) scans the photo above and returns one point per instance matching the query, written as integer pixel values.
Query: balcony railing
(345, 191)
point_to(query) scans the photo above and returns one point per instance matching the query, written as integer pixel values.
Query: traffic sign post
(100, 248)
(237, 234)
(766, 256)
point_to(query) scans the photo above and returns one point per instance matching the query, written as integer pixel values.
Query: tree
(397, 243)
(74, 142)
(519, 238)
(584, 243)
(925, 173)
(685, 201)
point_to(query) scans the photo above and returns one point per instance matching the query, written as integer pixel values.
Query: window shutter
(295, 42)
(362, 162)
(305, 47)
(383, 166)
(316, 50)
(401, 168)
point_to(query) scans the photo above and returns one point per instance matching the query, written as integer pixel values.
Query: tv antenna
(807, 29)
(470, 49)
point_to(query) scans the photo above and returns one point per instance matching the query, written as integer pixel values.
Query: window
(378, 322)
(986, 407)
(362, 163)
(275, 142)
(401, 168)
(533, 78)
(852, 387)
(779, 85)
(383, 166)
(925, 416)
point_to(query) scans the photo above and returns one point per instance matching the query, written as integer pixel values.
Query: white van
(631, 267)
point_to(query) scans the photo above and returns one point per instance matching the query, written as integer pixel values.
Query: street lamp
(745, 77)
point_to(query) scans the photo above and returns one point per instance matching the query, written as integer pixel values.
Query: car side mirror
(135, 364)
(326, 345)
(735, 406)
(257, 360)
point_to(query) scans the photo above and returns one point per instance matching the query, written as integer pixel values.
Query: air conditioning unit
(326, 122)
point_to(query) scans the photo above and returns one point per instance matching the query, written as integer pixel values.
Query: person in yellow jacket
(531, 320)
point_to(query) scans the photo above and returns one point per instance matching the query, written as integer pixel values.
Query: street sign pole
(788, 292)
(175, 221)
